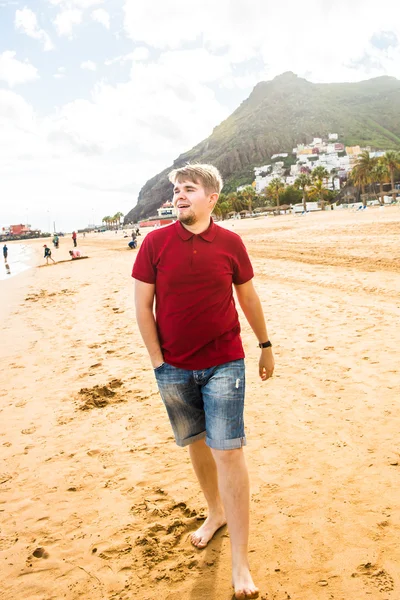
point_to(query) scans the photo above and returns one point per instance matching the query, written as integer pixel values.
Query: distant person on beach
(47, 254)
(132, 244)
(74, 236)
(75, 253)
(5, 252)
(56, 241)
(189, 269)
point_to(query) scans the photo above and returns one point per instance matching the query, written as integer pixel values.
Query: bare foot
(203, 535)
(243, 584)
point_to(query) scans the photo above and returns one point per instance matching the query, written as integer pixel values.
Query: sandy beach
(97, 502)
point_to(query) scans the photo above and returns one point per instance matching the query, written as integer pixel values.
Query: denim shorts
(207, 403)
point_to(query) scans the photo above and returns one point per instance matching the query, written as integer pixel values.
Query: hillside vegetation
(277, 116)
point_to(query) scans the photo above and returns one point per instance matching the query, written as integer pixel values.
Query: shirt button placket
(194, 251)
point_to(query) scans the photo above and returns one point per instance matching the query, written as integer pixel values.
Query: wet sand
(97, 502)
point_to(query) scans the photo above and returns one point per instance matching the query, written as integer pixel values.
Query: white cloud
(81, 4)
(15, 72)
(60, 73)
(88, 65)
(14, 109)
(201, 64)
(330, 35)
(139, 54)
(66, 19)
(26, 21)
(101, 16)
(119, 117)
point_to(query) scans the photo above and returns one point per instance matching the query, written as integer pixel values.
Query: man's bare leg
(234, 487)
(205, 468)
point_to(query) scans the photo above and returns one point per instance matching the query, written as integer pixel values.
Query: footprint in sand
(28, 431)
(101, 395)
(376, 576)
(4, 477)
(168, 523)
(93, 452)
(113, 552)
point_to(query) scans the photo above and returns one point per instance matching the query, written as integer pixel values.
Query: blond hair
(206, 175)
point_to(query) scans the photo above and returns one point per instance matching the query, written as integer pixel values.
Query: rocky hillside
(277, 116)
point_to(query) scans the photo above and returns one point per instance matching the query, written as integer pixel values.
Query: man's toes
(198, 541)
(246, 594)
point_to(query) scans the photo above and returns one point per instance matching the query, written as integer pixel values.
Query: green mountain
(280, 114)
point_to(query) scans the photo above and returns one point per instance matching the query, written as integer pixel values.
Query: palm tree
(217, 210)
(224, 209)
(319, 191)
(319, 173)
(235, 202)
(318, 188)
(274, 189)
(391, 160)
(361, 173)
(302, 182)
(248, 196)
(380, 173)
(117, 218)
(106, 220)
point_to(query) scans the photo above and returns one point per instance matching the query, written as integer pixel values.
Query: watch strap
(265, 344)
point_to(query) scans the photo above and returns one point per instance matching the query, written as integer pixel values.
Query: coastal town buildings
(328, 152)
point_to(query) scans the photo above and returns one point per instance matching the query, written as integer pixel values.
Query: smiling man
(189, 269)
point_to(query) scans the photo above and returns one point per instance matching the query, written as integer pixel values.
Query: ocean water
(19, 260)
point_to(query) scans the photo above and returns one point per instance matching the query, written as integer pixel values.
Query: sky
(98, 96)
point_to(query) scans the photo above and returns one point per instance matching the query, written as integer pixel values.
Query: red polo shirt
(196, 317)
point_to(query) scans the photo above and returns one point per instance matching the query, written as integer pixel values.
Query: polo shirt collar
(208, 235)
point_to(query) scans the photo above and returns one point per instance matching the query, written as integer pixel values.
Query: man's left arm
(251, 306)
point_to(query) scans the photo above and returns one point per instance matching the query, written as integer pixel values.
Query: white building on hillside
(284, 155)
(167, 210)
(258, 171)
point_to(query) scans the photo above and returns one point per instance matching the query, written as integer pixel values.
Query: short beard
(189, 219)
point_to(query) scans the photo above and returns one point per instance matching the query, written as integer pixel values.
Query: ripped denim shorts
(205, 404)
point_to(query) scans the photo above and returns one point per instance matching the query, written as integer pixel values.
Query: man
(5, 252)
(47, 254)
(190, 268)
(74, 238)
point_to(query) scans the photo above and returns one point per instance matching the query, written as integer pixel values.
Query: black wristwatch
(265, 344)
